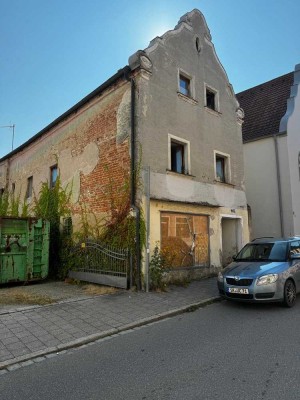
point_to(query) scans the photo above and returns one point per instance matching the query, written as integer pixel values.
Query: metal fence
(98, 263)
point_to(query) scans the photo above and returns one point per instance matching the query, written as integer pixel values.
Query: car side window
(295, 247)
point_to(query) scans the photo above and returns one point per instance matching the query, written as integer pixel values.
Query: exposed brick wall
(86, 150)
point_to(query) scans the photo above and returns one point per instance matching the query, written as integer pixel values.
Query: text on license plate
(238, 290)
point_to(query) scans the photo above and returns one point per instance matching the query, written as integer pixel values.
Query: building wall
(293, 146)
(163, 112)
(90, 148)
(285, 183)
(262, 187)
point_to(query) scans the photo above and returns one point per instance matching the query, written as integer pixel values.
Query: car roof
(273, 240)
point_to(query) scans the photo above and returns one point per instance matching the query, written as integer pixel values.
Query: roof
(264, 106)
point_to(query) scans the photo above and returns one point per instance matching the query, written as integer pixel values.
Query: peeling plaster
(74, 166)
(123, 117)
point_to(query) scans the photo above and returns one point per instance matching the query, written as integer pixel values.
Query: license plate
(238, 290)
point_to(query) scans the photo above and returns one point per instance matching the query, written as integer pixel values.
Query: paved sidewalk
(37, 331)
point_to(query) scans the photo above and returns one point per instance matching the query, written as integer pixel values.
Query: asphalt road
(223, 351)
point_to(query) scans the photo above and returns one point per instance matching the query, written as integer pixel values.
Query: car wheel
(289, 294)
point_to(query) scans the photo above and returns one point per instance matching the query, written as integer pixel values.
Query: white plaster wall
(291, 123)
(284, 165)
(185, 189)
(262, 188)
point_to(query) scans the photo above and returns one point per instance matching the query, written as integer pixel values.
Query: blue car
(265, 270)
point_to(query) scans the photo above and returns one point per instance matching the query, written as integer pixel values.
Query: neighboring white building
(271, 136)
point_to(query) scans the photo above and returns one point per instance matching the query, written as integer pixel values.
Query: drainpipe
(133, 205)
(278, 183)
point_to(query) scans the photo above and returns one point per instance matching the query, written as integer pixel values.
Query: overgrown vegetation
(53, 204)
(156, 270)
(117, 228)
(4, 204)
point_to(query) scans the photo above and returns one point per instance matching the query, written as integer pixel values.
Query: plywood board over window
(184, 239)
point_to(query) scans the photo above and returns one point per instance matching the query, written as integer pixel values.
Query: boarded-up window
(184, 239)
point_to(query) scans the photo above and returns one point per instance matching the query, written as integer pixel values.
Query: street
(222, 351)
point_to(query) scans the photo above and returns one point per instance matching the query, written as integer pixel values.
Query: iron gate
(94, 262)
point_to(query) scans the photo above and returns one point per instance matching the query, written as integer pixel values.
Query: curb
(41, 354)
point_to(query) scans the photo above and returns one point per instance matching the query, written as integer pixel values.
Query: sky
(55, 52)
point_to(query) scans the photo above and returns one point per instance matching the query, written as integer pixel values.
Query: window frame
(186, 154)
(226, 166)
(182, 75)
(210, 89)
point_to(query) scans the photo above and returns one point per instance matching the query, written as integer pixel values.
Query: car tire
(289, 298)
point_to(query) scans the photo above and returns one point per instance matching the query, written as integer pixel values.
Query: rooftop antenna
(13, 133)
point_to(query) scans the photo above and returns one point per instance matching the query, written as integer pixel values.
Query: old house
(272, 155)
(172, 116)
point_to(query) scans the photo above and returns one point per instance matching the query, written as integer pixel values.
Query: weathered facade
(272, 154)
(174, 99)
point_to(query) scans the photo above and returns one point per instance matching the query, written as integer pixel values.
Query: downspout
(278, 184)
(133, 204)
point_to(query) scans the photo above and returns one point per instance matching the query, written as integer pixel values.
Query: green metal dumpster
(24, 249)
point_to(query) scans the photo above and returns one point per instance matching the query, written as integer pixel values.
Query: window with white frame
(179, 155)
(185, 84)
(211, 98)
(222, 167)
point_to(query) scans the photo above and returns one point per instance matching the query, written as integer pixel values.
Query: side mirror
(234, 257)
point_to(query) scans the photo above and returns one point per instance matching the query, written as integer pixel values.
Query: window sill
(211, 111)
(170, 172)
(187, 98)
(223, 183)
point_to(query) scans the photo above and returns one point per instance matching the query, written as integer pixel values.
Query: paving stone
(39, 328)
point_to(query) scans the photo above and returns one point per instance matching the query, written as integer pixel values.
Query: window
(184, 85)
(211, 98)
(29, 187)
(179, 155)
(184, 239)
(295, 248)
(53, 176)
(222, 167)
